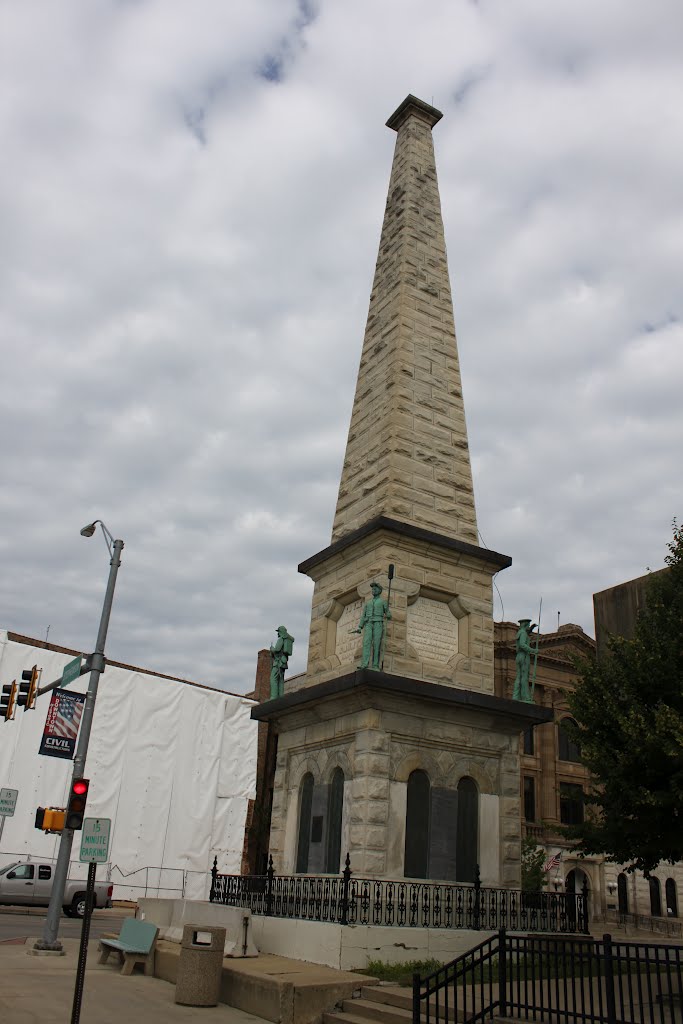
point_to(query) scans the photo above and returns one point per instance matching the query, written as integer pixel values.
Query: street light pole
(49, 941)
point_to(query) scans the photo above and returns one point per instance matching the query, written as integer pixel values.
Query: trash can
(199, 967)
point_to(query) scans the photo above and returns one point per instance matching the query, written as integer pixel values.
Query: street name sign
(8, 802)
(71, 671)
(95, 840)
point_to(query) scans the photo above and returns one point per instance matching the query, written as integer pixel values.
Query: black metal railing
(658, 925)
(345, 899)
(571, 980)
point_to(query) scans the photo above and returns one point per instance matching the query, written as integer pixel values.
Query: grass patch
(400, 974)
(530, 968)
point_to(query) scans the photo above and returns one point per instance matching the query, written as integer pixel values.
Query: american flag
(552, 862)
(67, 717)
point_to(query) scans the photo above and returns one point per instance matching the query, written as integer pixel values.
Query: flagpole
(385, 624)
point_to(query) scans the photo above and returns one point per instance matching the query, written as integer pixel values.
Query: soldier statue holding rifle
(372, 625)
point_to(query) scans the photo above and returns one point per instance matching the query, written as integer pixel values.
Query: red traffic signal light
(75, 811)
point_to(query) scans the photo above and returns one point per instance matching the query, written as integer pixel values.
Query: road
(18, 925)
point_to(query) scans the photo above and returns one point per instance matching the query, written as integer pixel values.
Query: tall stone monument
(411, 766)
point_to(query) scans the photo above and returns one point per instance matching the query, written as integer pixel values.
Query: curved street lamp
(49, 941)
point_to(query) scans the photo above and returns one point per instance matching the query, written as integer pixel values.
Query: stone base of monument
(352, 947)
(273, 988)
(171, 916)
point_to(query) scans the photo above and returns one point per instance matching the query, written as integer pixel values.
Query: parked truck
(29, 883)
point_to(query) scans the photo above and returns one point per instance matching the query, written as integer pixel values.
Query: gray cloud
(191, 207)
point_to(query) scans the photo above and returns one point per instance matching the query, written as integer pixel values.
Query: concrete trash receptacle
(198, 982)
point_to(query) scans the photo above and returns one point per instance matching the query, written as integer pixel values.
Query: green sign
(72, 671)
(8, 801)
(95, 840)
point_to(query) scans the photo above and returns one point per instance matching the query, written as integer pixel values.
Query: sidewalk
(39, 990)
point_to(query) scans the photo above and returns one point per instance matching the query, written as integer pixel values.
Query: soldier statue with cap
(525, 649)
(372, 625)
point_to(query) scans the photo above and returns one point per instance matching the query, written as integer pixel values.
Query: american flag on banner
(61, 725)
(67, 718)
(552, 862)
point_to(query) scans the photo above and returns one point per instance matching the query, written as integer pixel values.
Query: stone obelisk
(410, 765)
(407, 455)
(406, 495)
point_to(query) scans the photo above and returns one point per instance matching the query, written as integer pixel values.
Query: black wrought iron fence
(571, 980)
(344, 899)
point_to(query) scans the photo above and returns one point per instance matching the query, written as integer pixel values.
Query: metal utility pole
(49, 940)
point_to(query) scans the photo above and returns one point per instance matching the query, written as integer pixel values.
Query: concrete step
(381, 1013)
(384, 1004)
(393, 995)
(342, 1017)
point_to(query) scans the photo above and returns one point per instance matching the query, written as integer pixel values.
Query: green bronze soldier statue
(280, 653)
(525, 649)
(373, 625)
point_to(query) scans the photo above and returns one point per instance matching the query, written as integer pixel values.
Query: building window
(655, 897)
(568, 750)
(416, 861)
(467, 835)
(335, 806)
(622, 893)
(529, 798)
(671, 898)
(571, 803)
(528, 740)
(305, 804)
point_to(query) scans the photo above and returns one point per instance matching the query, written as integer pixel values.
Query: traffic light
(28, 688)
(8, 699)
(75, 811)
(50, 819)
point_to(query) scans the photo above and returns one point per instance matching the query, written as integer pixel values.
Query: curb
(42, 911)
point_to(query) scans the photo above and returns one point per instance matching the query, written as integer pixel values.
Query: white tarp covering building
(172, 763)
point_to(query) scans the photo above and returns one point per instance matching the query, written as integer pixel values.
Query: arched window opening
(467, 835)
(416, 860)
(622, 893)
(304, 841)
(571, 803)
(671, 898)
(335, 806)
(568, 749)
(655, 897)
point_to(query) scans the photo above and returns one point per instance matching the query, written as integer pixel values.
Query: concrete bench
(135, 945)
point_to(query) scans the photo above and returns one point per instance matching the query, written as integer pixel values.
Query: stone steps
(367, 1011)
(380, 1004)
(391, 1004)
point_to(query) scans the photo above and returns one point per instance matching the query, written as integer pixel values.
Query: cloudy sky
(191, 200)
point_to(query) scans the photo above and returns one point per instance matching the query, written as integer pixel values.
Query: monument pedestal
(459, 747)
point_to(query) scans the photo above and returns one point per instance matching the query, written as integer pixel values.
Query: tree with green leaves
(533, 859)
(629, 712)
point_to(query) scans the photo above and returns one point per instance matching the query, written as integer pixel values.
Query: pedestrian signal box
(50, 819)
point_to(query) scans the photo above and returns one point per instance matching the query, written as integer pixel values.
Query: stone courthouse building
(412, 767)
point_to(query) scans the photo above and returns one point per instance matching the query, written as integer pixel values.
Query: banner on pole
(61, 725)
